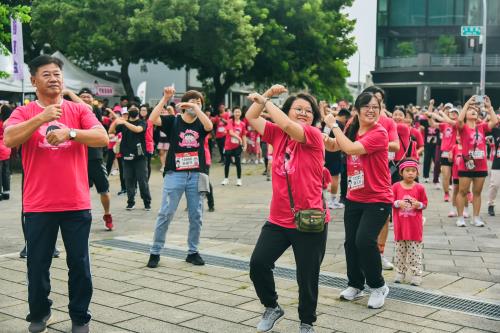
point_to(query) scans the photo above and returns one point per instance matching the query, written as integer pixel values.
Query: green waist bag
(310, 220)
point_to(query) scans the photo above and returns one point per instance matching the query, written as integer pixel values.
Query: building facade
(421, 54)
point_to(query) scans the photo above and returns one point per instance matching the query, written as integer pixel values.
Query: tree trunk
(127, 84)
(220, 90)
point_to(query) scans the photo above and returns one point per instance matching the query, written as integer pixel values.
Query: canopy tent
(9, 84)
(76, 78)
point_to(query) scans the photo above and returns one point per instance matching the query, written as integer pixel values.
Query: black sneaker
(195, 259)
(130, 206)
(40, 326)
(491, 210)
(154, 259)
(147, 207)
(23, 254)
(56, 253)
(122, 192)
(80, 328)
(5, 196)
(211, 209)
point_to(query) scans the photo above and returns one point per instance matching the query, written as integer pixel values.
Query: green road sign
(470, 30)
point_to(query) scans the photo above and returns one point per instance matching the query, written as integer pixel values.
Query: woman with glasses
(298, 160)
(369, 197)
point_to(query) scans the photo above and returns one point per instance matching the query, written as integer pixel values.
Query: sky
(365, 11)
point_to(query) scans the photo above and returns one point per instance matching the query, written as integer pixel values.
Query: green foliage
(447, 45)
(6, 12)
(406, 49)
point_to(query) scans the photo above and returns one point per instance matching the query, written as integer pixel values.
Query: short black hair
(374, 90)
(85, 91)
(344, 113)
(43, 60)
(192, 94)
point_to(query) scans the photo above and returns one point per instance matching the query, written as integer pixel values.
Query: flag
(141, 91)
(17, 49)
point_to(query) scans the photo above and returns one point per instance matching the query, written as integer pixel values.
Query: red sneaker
(446, 197)
(108, 221)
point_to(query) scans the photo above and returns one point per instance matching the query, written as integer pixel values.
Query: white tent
(9, 84)
(76, 78)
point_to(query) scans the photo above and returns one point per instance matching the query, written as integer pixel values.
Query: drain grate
(398, 293)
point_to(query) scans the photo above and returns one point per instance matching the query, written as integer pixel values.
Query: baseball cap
(454, 110)
(85, 91)
(448, 105)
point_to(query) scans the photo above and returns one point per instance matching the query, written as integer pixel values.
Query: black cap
(85, 91)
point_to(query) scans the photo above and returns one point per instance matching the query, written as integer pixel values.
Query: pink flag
(17, 49)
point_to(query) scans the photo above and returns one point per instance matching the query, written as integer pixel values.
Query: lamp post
(482, 83)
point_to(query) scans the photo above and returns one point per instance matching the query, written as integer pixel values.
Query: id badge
(356, 180)
(221, 129)
(445, 154)
(187, 161)
(477, 154)
(234, 140)
(498, 153)
(392, 156)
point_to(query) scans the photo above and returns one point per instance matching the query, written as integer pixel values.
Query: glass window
(493, 12)
(474, 13)
(459, 12)
(407, 13)
(441, 12)
(382, 13)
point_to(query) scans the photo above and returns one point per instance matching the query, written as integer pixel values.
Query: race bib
(445, 154)
(356, 180)
(477, 154)
(392, 156)
(187, 161)
(221, 129)
(498, 153)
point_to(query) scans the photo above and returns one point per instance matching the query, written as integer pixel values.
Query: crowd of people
(310, 150)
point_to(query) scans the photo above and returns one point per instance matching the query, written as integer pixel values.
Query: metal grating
(398, 293)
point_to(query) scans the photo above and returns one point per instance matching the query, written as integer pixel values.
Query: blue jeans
(174, 185)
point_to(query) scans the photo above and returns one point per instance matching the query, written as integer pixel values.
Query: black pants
(362, 223)
(220, 145)
(437, 165)
(343, 181)
(148, 157)
(308, 249)
(429, 155)
(41, 236)
(109, 160)
(236, 153)
(136, 172)
(5, 176)
(210, 195)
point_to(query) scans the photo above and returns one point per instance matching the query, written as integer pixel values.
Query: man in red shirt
(54, 134)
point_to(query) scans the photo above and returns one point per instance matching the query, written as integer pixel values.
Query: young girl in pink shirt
(409, 201)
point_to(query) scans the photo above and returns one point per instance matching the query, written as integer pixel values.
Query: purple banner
(17, 49)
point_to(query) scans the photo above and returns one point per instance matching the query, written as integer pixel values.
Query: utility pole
(482, 84)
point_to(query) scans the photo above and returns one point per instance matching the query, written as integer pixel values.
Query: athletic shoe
(491, 210)
(256, 161)
(77, 328)
(399, 278)
(130, 207)
(269, 318)
(211, 209)
(268, 177)
(244, 161)
(437, 186)
(477, 222)
(261, 161)
(122, 192)
(446, 197)
(238, 182)
(113, 172)
(331, 203)
(41, 326)
(351, 293)
(56, 253)
(108, 221)
(147, 207)
(264, 173)
(306, 328)
(426, 180)
(377, 297)
(386, 264)
(195, 259)
(23, 253)
(154, 259)
(466, 214)
(460, 222)
(225, 182)
(453, 213)
(338, 205)
(470, 196)
(416, 280)
(5, 196)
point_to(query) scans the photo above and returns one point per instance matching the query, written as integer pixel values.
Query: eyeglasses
(371, 107)
(305, 112)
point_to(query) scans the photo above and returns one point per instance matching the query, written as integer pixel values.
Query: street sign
(470, 30)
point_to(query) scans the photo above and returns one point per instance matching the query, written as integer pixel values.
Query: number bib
(234, 140)
(445, 154)
(187, 161)
(392, 156)
(221, 129)
(356, 180)
(498, 153)
(477, 154)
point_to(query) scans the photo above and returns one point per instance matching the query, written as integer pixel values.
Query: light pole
(482, 83)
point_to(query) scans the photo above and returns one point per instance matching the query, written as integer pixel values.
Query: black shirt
(431, 134)
(187, 144)
(495, 133)
(96, 153)
(130, 140)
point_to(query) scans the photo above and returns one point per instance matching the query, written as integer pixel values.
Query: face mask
(191, 112)
(133, 114)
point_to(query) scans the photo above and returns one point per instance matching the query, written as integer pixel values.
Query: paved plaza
(179, 297)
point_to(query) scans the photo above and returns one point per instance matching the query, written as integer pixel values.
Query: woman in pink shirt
(298, 161)
(150, 145)
(474, 167)
(369, 197)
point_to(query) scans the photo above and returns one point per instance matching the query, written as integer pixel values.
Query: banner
(141, 91)
(17, 49)
(104, 90)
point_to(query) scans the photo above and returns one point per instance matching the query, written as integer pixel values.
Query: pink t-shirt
(239, 129)
(416, 145)
(408, 223)
(150, 145)
(220, 127)
(55, 177)
(208, 157)
(448, 138)
(305, 173)
(390, 126)
(4, 150)
(404, 141)
(368, 178)
(469, 139)
(456, 153)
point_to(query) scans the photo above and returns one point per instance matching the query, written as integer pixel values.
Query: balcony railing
(434, 60)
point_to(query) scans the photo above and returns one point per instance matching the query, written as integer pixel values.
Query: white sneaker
(351, 293)
(338, 205)
(244, 161)
(461, 222)
(261, 161)
(386, 264)
(114, 172)
(256, 161)
(331, 203)
(453, 213)
(377, 297)
(477, 222)
(238, 182)
(416, 280)
(399, 278)
(225, 181)
(426, 180)
(437, 186)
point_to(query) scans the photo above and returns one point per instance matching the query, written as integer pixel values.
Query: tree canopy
(7, 11)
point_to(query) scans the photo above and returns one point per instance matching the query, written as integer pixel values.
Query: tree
(447, 45)
(6, 12)
(406, 49)
(95, 32)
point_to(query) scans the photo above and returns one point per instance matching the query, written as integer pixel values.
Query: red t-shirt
(220, 127)
(368, 178)
(239, 129)
(404, 141)
(448, 138)
(208, 156)
(390, 126)
(55, 177)
(305, 173)
(150, 145)
(456, 153)
(4, 150)
(419, 142)
(408, 223)
(469, 139)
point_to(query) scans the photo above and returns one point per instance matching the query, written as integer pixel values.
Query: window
(493, 12)
(441, 12)
(474, 12)
(459, 12)
(407, 13)
(382, 13)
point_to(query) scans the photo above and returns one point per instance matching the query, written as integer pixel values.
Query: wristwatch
(335, 125)
(72, 134)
